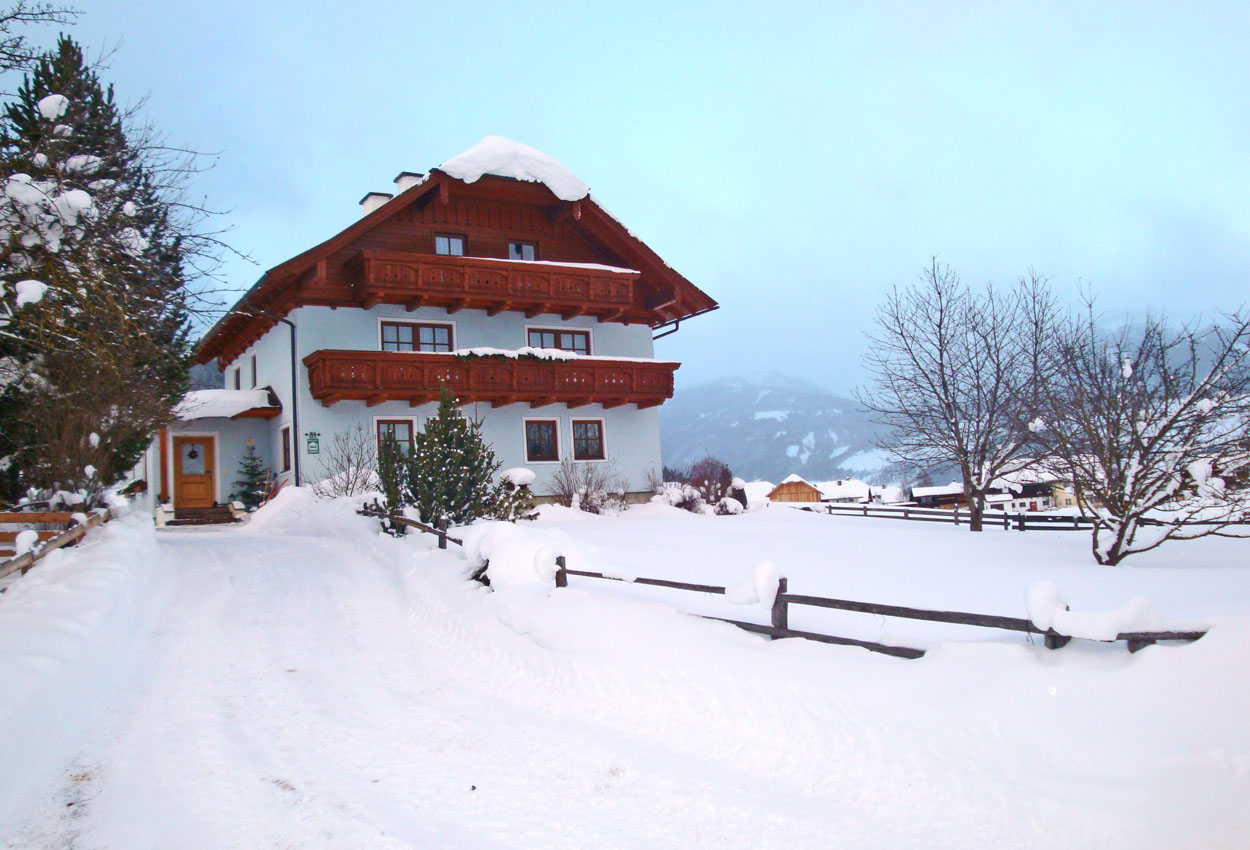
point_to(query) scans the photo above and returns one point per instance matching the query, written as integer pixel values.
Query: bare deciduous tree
(349, 465)
(1152, 420)
(955, 373)
(593, 487)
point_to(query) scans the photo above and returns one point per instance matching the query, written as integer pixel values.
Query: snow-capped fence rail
(439, 531)
(1019, 521)
(780, 617)
(47, 540)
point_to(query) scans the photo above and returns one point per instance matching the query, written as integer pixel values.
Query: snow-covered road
(287, 696)
(271, 688)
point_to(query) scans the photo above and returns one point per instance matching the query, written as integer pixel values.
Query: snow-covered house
(496, 275)
(794, 489)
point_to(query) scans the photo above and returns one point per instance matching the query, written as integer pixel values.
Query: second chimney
(373, 200)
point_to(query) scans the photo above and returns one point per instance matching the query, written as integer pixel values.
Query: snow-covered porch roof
(228, 404)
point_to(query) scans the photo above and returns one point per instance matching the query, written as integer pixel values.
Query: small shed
(794, 489)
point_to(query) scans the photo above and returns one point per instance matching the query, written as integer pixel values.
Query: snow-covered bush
(711, 483)
(683, 496)
(349, 465)
(593, 487)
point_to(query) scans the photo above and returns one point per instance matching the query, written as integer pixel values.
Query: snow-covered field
(307, 682)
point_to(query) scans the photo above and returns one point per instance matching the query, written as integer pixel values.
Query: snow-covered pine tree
(253, 478)
(87, 220)
(450, 471)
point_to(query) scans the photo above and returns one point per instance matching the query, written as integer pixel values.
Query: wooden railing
(49, 540)
(992, 518)
(378, 376)
(457, 283)
(779, 625)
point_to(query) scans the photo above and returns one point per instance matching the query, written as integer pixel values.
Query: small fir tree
(512, 502)
(450, 471)
(253, 481)
(393, 478)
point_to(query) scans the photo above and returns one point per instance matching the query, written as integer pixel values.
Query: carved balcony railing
(379, 376)
(457, 283)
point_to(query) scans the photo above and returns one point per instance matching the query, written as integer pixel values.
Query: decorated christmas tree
(253, 481)
(450, 471)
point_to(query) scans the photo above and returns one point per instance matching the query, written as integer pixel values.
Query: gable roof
(495, 160)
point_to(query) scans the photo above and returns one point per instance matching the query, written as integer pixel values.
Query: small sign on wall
(314, 442)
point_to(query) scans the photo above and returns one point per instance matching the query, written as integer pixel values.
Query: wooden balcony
(457, 283)
(378, 376)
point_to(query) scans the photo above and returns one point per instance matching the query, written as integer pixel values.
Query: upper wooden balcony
(379, 376)
(479, 283)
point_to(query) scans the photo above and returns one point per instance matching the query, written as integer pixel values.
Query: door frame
(173, 469)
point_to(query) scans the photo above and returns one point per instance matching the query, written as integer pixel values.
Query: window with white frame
(588, 439)
(541, 440)
(565, 340)
(522, 251)
(417, 336)
(449, 245)
(400, 429)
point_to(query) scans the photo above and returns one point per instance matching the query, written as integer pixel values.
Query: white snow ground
(306, 682)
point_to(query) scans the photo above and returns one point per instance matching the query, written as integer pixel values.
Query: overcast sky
(793, 161)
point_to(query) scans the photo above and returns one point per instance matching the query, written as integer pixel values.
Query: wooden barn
(794, 489)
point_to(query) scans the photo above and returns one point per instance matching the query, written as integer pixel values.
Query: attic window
(522, 251)
(448, 245)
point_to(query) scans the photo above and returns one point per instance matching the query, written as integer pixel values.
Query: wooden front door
(194, 464)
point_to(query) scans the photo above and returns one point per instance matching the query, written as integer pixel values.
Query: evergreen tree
(253, 481)
(96, 364)
(393, 478)
(512, 502)
(450, 471)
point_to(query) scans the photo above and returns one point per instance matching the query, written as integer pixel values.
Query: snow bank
(296, 511)
(517, 555)
(1048, 609)
(519, 476)
(502, 157)
(758, 588)
(63, 627)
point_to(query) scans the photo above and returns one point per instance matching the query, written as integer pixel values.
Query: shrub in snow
(714, 483)
(349, 463)
(591, 486)
(682, 496)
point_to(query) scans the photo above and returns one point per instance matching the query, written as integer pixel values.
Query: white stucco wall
(632, 436)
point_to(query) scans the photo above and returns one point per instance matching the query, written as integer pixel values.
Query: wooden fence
(1019, 521)
(779, 626)
(49, 539)
(439, 530)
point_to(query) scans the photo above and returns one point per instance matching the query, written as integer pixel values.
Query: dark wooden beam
(572, 313)
(457, 305)
(375, 399)
(418, 400)
(414, 302)
(503, 402)
(329, 399)
(543, 401)
(537, 310)
(497, 308)
(577, 402)
(616, 402)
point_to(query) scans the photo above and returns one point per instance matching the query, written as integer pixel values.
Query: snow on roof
(845, 488)
(950, 489)
(593, 266)
(793, 477)
(502, 157)
(757, 491)
(205, 404)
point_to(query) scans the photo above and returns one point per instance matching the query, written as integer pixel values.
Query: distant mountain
(770, 425)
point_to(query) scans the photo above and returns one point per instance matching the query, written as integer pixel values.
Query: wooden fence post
(865, 510)
(956, 515)
(442, 532)
(1006, 521)
(1054, 640)
(904, 513)
(780, 613)
(1020, 521)
(562, 577)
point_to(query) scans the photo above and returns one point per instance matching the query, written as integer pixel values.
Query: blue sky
(792, 160)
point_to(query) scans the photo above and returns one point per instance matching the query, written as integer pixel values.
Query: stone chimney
(406, 180)
(373, 200)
